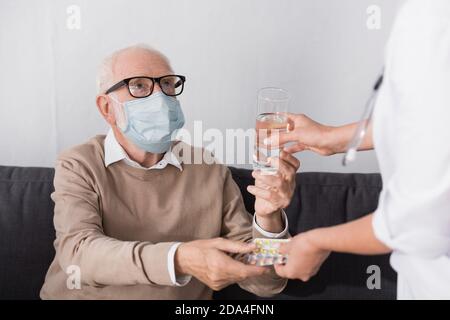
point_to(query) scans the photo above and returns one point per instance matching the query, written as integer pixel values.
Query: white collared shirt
(114, 153)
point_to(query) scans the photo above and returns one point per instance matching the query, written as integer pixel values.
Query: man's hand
(304, 257)
(207, 260)
(274, 192)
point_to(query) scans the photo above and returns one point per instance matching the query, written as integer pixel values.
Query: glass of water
(272, 103)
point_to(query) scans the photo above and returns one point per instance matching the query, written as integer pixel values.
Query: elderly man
(134, 221)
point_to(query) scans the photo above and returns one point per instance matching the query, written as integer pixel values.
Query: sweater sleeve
(80, 240)
(237, 225)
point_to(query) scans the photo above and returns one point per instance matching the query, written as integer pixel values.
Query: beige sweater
(117, 224)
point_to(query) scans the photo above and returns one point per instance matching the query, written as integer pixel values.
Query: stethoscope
(363, 124)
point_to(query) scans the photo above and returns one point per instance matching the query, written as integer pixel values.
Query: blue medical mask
(151, 123)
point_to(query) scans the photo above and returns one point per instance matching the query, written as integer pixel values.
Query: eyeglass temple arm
(116, 86)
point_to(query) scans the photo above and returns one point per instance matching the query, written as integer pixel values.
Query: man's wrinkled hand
(209, 262)
(273, 192)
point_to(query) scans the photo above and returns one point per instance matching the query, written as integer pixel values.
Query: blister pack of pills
(266, 252)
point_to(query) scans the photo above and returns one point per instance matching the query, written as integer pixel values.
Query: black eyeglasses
(142, 87)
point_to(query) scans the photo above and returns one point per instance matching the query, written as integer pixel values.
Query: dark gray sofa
(321, 199)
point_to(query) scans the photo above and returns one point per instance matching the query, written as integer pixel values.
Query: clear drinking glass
(271, 105)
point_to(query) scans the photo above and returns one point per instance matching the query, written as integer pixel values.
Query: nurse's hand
(304, 257)
(305, 134)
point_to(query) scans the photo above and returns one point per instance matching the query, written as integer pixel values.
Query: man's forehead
(139, 63)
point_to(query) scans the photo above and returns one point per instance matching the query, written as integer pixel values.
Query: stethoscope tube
(363, 124)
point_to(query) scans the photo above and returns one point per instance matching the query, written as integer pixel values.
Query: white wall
(319, 50)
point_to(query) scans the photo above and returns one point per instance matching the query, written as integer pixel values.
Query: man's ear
(104, 105)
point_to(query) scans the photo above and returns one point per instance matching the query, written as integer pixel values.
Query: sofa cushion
(26, 230)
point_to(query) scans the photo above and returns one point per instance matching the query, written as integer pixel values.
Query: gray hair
(105, 70)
